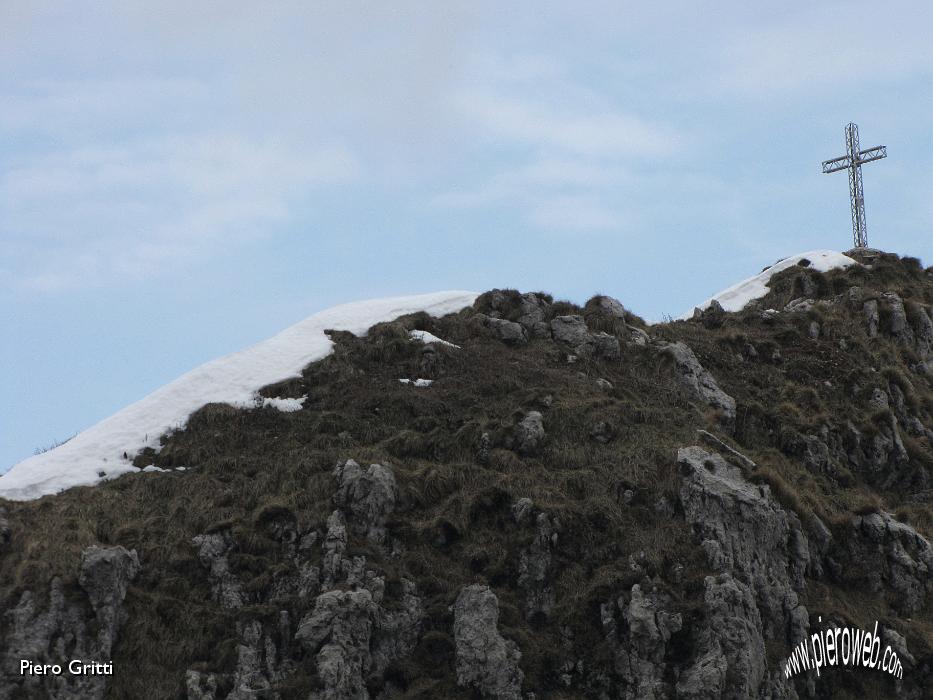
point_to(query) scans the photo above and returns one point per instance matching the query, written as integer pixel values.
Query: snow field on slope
(97, 453)
(738, 295)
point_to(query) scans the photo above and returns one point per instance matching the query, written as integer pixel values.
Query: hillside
(572, 503)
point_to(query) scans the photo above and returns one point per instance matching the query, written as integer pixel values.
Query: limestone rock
(712, 316)
(534, 310)
(697, 380)
(799, 305)
(202, 686)
(606, 346)
(58, 632)
(367, 497)
(571, 330)
(638, 337)
(897, 324)
(529, 433)
(522, 510)
(396, 630)
(611, 307)
(508, 332)
(534, 567)
(105, 574)
(338, 632)
(637, 633)
(746, 533)
(486, 661)
(334, 545)
(872, 317)
(5, 531)
(213, 551)
(890, 555)
(731, 660)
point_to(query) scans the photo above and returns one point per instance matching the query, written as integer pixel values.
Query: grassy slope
(456, 526)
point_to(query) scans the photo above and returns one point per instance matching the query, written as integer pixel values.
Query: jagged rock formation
(61, 629)
(344, 623)
(889, 557)
(485, 661)
(529, 433)
(697, 380)
(579, 505)
(367, 497)
(5, 531)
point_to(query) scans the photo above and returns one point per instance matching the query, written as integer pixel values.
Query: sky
(180, 180)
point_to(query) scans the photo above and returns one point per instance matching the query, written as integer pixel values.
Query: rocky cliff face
(578, 505)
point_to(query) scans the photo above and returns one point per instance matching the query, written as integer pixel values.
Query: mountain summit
(501, 496)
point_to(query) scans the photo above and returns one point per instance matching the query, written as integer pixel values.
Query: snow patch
(428, 338)
(417, 382)
(738, 295)
(233, 379)
(285, 405)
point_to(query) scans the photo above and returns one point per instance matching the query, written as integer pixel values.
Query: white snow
(738, 295)
(285, 405)
(427, 338)
(233, 379)
(417, 382)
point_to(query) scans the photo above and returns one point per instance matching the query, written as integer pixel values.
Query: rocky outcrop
(637, 632)
(897, 323)
(262, 660)
(6, 531)
(730, 660)
(878, 451)
(339, 633)
(508, 332)
(745, 532)
(534, 566)
(763, 555)
(571, 330)
(213, 551)
(367, 497)
(534, 311)
(697, 380)
(347, 629)
(105, 574)
(529, 434)
(883, 554)
(486, 661)
(67, 628)
(872, 317)
(606, 346)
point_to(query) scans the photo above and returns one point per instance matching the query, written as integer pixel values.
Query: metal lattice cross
(852, 161)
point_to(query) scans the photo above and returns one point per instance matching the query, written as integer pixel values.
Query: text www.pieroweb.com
(843, 646)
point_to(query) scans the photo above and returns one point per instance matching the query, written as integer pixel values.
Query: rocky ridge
(579, 505)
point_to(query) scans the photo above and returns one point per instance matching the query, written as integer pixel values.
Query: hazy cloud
(98, 214)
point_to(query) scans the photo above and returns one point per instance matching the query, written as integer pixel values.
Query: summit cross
(852, 161)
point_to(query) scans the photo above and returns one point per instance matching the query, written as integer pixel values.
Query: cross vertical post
(852, 161)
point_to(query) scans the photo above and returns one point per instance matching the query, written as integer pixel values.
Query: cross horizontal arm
(836, 164)
(870, 154)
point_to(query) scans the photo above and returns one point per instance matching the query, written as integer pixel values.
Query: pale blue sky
(181, 179)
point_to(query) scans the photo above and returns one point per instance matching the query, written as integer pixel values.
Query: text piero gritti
(75, 667)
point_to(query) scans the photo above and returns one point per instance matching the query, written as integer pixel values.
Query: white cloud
(605, 134)
(825, 47)
(558, 153)
(574, 213)
(104, 214)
